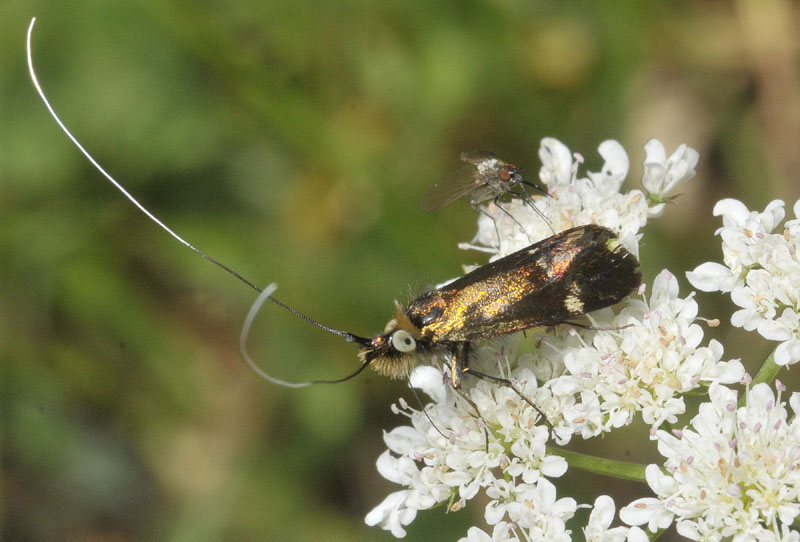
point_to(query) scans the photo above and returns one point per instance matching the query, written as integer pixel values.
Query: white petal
(616, 159)
(554, 466)
(665, 288)
(396, 469)
(642, 511)
(655, 152)
(656, 210)
(733, 212)
(728, 372)
(391, 515)
(474, 534)
(556, 162)
(653, 177)
(403, 439)
(773, 214)
(711, 277)
(494, 513)
(429, 379)
(635, 534)
(788, 352)
(774, 331)
(688, 529)
(603, 512)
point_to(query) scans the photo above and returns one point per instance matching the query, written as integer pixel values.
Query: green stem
(766, 373)
(609, 467)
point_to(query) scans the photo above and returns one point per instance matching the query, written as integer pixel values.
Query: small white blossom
(502, 532)
(733, 475)
(662, 174)
(598, 528)
(761, 272)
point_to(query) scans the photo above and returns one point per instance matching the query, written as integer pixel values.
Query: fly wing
(457, 184)
(477, 157)
(572, 273)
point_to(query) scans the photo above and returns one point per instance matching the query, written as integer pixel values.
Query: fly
(484, 177)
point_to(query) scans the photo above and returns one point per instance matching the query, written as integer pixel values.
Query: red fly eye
(505, 174)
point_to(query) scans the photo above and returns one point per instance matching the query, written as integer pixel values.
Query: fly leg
(477, 207)
(526, 197)
(496, 202)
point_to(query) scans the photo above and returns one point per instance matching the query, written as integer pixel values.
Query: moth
(547, 283)
(574, 272)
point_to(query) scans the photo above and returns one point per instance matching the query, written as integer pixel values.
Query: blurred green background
(293, 140)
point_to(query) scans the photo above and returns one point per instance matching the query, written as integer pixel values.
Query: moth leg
(509, 384)
(425, 411)
(592, 328)
(458, 366)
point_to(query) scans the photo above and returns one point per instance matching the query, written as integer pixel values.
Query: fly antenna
(347, 336)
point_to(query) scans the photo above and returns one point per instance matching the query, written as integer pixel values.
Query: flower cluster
(594, 199)
(761, 272)
(638, 360)
(643, 366)
(444, 456)
(735, 474)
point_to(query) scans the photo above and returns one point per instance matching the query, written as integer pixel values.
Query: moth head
(396, 351)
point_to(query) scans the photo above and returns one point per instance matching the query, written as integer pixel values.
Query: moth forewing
(574, 272)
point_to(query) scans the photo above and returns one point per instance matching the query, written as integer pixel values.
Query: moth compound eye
(403, 341)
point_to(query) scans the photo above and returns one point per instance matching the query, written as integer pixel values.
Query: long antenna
(248, 322)
(350, 337)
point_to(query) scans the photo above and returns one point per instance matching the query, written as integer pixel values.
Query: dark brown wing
(574, 272)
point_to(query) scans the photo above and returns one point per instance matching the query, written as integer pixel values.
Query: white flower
(733, 475)
(761, 272)
(662, 174)
(502, 532)
(597, 530)
(390, 515)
